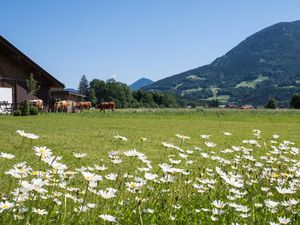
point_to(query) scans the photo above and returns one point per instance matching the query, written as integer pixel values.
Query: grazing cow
(62, 105)
(85, 105)
(38, 103)
(106, 105)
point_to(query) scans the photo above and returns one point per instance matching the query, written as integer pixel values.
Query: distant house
(15, 69)
(67, 94)
(231, 106)
(248, 107)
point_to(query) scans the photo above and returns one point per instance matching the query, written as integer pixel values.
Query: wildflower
(143, 139)
(204, 155)
(81, 208)
(184, 156)
(132, 153)
(217, 211)
(111, 176)
(108, 193)
(40, 211)
(290, 202)
(32, 136)
(5, 205)
(151, 211)
(227, 133)
(285, 190)
(167, 179)
(42, 151)
(108, 218)
(210, 144)
(6, 155)
(256, 132)
(150, 176)
(213, 218)
(182, 137)
(120, 137)
(168, 145)
(205, 136)
(176, 206)
(283, 220)
(91, 177)
(20, 170)
(79, 155)
(133, 186)
(218, 204)
(101, 168)
(271, 204)
(21, 133)
(174, 161)
(258, 205)
(116, 161)
(91, 205)
(275, 136)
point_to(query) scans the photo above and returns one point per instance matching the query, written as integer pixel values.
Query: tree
(92, 96)
(32, 85)
(83, 86)
(271, 104)
(295, 102)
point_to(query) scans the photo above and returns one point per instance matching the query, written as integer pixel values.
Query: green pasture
(93, 132)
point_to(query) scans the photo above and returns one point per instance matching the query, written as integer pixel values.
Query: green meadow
(93, 132)
(169, 198)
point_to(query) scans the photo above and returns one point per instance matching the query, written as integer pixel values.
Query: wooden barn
(15, 69)
(67, 94)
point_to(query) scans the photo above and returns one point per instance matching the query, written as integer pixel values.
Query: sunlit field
(151, 167)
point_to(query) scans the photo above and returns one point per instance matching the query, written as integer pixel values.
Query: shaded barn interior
(15, 69)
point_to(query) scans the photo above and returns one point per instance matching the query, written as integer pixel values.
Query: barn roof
(69, 91)
(11, 48)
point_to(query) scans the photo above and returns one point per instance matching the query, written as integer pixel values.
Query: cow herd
(72, 106)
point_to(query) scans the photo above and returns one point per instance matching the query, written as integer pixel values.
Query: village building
(68, 94)
(15, 69)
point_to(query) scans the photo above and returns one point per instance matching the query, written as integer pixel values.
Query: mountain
(266, 64)
(140, 83)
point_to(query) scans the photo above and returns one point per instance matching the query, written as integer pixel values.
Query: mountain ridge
(142, 82)
(265, 64)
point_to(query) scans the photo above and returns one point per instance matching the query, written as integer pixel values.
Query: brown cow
(85, 105)
(38, 103)
(82, 105)
(106, 105)
(62, 105)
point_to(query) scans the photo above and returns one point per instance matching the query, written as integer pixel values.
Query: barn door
(5, 95)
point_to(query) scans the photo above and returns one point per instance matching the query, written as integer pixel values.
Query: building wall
(14, 72)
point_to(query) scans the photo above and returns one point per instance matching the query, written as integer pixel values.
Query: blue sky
(131, 39)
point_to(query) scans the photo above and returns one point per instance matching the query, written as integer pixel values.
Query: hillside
(140, 83)
(265, 64)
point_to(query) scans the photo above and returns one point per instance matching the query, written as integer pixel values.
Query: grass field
(186, 181)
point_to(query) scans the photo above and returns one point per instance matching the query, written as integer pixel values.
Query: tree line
(98, 91)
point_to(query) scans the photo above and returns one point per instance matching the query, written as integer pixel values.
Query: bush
(295, 102)
(33, 110)
(16, 113)
(25, 108)
(271, 104)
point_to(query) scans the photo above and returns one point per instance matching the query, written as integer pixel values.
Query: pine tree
(83, 86)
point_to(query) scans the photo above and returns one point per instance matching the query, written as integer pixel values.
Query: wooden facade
(67, 94)
(15, 69)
